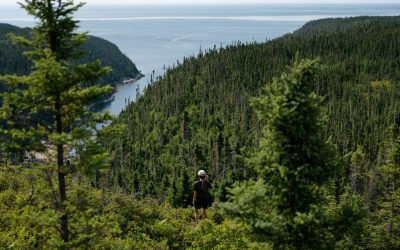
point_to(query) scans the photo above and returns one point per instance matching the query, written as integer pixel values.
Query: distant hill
(199, 115)
(12, 61)
(345, 25)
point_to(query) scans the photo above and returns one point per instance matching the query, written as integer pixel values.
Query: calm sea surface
(154, 36)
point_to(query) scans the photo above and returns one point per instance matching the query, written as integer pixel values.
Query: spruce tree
(385, 221)
(185, 189)
(359, 174)
(284, 205)
(60, 89)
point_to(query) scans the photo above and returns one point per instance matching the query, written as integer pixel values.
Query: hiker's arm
(194, 197)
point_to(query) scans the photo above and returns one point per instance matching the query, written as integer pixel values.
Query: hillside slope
(12, 61)
(198, 115)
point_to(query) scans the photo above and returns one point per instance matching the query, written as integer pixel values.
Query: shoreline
(131, 80)
(125, 81)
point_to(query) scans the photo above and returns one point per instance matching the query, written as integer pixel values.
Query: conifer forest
(299, 135)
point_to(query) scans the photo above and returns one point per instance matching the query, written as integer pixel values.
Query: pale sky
(121, 2)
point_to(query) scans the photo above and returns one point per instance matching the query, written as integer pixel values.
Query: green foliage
(286, 207)
(229, 235)
(359, 172)
(199, 116)
(55, 86)
(385, 219)
(293, 144)
(61, 88)
(100, 219)
(347, 222)
(30, 222)
(184, 191)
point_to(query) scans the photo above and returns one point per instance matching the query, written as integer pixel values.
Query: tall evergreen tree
(385, 221)
(359, 174)
(294, 161)
(185, 189)
(60, 88)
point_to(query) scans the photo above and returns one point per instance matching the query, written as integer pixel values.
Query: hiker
(200, 195)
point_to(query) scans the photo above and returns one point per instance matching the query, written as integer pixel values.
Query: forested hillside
(198, 115)
(313, 146)
(12, 61)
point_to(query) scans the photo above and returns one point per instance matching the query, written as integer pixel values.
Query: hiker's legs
(204, 213)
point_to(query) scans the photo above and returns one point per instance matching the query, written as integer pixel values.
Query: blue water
(158, 36)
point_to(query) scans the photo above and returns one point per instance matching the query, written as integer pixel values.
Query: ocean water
(157, 36)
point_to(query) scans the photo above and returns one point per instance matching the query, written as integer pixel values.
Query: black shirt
(201, 188)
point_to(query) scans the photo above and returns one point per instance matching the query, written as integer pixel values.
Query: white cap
(201, 173)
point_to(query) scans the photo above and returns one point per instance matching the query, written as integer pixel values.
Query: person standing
(201, 195)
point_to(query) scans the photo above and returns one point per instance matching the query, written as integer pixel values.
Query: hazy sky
(114, 2)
